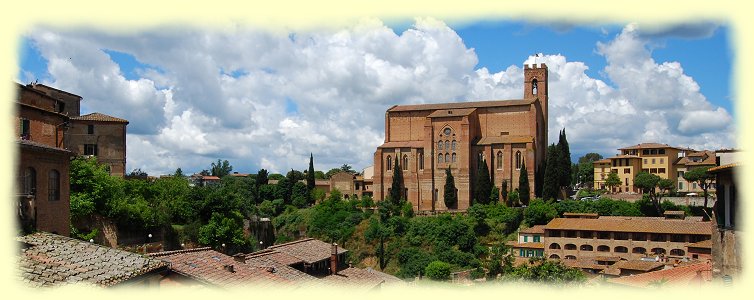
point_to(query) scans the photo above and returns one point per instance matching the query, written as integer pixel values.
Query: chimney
(334, 259)
(229, 268)
(240, 257)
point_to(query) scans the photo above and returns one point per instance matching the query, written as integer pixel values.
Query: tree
(564, 178)
(551, 182)
(221, 168)
(319, 175)
(261, 178)
(585, 175)
(494, 195)
(504, 191)
(648, 183)
(702, 178)
(178, 173)
(539, 213)
(449, 196)
(224, 229)
(438, 270)
(612, 181)
(379, 232)
(483, 187)
(523, 184)
(299, 195)
(590, 157)
(347, 168)
(396, 190)
(666, 185)
(137, 173)
(310, 180)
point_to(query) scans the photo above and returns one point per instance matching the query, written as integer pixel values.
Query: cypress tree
(310, 183)
(564, 178)
(550, 186)
(449, 196)
(483, 186)
(523, 184)
(396, 190)
(504, 191)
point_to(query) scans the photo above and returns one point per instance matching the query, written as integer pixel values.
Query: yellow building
(653, 158)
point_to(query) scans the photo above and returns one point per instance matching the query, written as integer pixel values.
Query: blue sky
(255, 97)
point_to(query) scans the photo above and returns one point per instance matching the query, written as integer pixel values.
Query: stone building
(426, 139)
(43, 162)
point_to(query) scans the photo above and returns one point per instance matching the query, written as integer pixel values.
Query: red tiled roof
(602, 161)
(210, 266)
(403, 144)
(723, 167)
(528, 245)
(39, 146)
(694, 274)
(307, 250)
(458, 112)
(648, 145)
(354, 277)
(631, 224)
(702, 244)
(624, 156)
(533, 229)
(505, 139)
(638, 265)
(583, 264)
(275, 255)
(266, 261)
(99, 117)
(475, 104)
(210, 178)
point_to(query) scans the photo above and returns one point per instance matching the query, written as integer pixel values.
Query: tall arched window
(518, 160)
(389, 163)
(30, 181)
(447, 145)
(53, 186)
(534, 86)
(421, 161)
(454, 157)
(405, 162)
(439, 158)
(453, 145)
(447, 157)
(499, 159)
(439, 145)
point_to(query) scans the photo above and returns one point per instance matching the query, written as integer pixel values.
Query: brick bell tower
(535, 86)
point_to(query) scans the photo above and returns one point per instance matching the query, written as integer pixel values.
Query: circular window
(446, 131)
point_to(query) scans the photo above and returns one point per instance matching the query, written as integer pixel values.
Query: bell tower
(535, 84)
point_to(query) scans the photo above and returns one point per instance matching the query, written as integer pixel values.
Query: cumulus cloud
(203, 95)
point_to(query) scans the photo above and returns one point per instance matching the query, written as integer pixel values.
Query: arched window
(603, 248)
(518, 160)
(658, 250)
(389, 163)
(534, 86)
(677, 252)
(447, 145)
(30, 181)
(621, 249)
(570, 257)
(439, 145)
(421, 161)
(453, 145)
(638, 250)
(454, 157)
(447, 158)
(554, 256)
(499, 160)
(554, 246)
(439, 158)
(53, 186)
(405, 162)
(586, 248)
(570, 247)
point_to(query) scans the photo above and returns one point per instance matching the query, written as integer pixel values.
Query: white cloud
(222, 94)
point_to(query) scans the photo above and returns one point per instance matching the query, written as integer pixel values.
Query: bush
(438, 270)
(539, 213)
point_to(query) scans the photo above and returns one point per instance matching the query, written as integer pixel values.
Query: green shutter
(536, 238)
(526, 238)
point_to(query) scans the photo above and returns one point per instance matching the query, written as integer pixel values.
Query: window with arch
(447, 145)
(554, 256)
(454, 157)
(621, 249)
(421, 161)
(453, 145)
(53, 185)
(639, 250)
(603, 248)
(389, 163)
(554, 246)
(677, 252)
(30, 181)
(570, 247)
(586, 248)
(439, 158)
(439, 145)
(446, 131)
(658, 250)
(534, 86)
(499, 160)
(447, 158)
(518, 160)
(570, 257)
(405, 162)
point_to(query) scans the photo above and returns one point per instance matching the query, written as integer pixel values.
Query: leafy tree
(438, 270)
(221, 168)
(412, 262)
(378, 232)
(539, 213)
(319, 175)
(504, 191)
(204, 173)
(396, 189)
(612, 181)
(551, 182)
(225, 229)
(494, 195)
(261, 178)
(666, 185)
(291, 179)
(299, 195)
(332, 172)
(564, 162)
(702, 178)
(523, 184)
(178, 173)
(483, 187)
(449, 196)
(275, 176)
(513, 198)
(310, 179)
(347, 168)
(137, 173)
(585, 169)
(546, 271)
(590, 157)
(648, 183)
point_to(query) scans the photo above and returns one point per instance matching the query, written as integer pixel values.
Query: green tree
(564, 178)
(539, 213)
(310, 180)
(483, 187)
(504, 191)
(378, 232)
(612, 181)
(494, 195)
(224, 229)
(221, 168)
(438, 270)
(396, 189)
(547, 271)
(648, 184)
(523, 184)
(299, 195)
(347, 168)
(702, 178)
(332, 172)
(514, 198)
(319, 175)
(261, 178)
(551, 182)
(449, 196)
(178, 173)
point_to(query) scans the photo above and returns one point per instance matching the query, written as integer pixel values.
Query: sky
(267, 99)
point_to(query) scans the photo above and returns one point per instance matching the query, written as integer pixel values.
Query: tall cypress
(449, 196)
(504, 192)
(564, 178)
(550, 185)
(310, 182)
(523, 184)
(396, 190)
(483, 186)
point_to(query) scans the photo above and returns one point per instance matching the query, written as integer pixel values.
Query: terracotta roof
(403, 144)
(53, 260)
(625, 156)
(709, 159)
(694, 274)
(505, 139)
(723, 167)
(649, 145)
(583, 264)
(39, 146)
(354, 277)
(212, 267)
(99, 117)
(703, 244)
(528, 245)
(607, 258)
(533, 229)
(52, 88)
(602, 161)
(239, 175)
(475, 104)
(572, 214)
(631, 224)
(210, 178)
(275, 255)
(308, 250)
(638, 265)
(280, 269)
(458, 112)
